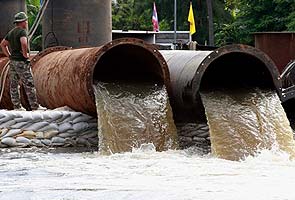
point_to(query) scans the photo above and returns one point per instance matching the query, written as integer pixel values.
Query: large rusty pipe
(6, 102)
(65, 77)
(229, 66)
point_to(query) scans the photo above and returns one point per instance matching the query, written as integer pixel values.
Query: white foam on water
(143, 175)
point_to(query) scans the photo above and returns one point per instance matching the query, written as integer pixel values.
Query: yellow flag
(191, 20)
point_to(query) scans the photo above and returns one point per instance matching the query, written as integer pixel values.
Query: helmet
(20, 17)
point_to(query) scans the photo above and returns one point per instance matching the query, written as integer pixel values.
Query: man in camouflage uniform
(15, 46)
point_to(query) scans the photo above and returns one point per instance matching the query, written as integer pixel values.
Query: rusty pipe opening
(128, 62)
(65, 76)
(236, 70)
(235, 67)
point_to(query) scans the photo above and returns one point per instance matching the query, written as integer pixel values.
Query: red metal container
(280, 46)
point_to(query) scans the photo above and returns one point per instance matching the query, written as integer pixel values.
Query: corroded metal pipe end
(6, 102)
(239, 61)
(232, 66)
(65, 77)
(141, 55)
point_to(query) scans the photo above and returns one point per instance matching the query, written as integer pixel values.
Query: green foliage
(131, 15)
(234, 20)
(164, 24)
(33, 7)
(137, 15)
(256, 16)
(291, 19)
(36, 43)
(291, 24)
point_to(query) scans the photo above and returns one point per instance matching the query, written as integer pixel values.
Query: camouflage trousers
(20, 71)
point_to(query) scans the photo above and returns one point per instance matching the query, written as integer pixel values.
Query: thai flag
(155, 19)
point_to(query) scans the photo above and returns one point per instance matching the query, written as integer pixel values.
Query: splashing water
(147, 174)
(130, 115)
(244, 122)
(170, 175)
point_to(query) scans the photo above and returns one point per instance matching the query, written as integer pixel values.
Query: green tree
(33, 7)
(256, 16)
(131, 15)
(291, 19)
(136, 15)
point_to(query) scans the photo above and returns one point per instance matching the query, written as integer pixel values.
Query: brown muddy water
(246, 121)
(250, 126)
(134, 114)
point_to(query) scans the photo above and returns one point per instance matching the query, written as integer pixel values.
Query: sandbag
(60, 127)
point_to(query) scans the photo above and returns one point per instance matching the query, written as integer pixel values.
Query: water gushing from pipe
(245, 121)
(133, 114)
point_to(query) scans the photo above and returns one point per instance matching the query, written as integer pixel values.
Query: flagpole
(175, 21)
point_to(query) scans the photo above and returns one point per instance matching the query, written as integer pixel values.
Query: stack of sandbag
(50, 128)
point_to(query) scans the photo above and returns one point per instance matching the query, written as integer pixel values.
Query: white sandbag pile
(50, 128)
